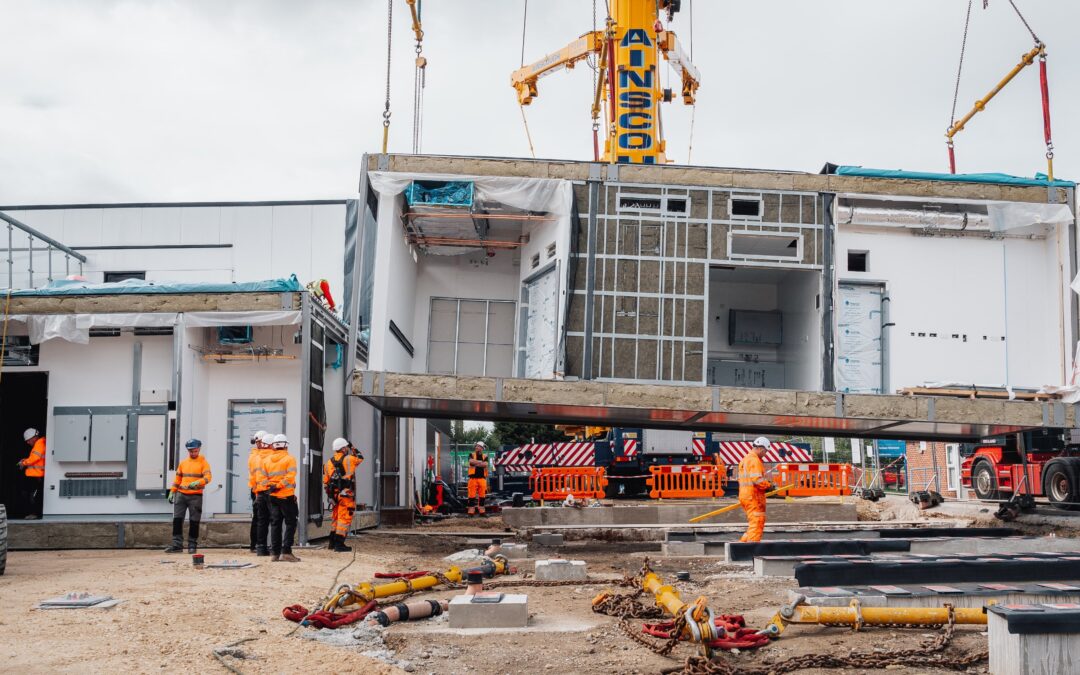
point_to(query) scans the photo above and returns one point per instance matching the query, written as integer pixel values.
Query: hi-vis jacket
(280, 470)
(192, 471)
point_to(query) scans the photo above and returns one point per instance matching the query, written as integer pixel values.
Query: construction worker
(34, 468)
(260, 509)
(752, 489)
(186, 496)
(280, 469)
(339, 477)
(478, 467)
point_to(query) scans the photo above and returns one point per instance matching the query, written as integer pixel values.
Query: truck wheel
(983, 481)
(1059, 485)
(3, 538)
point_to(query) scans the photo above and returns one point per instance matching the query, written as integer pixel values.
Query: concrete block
(561, 570)
(512, 611)
(515, 551)
(547, 539)
(683, 548)
(1032, 650)
(523, 517)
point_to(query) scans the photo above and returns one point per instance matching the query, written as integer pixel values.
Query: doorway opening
(24, 402)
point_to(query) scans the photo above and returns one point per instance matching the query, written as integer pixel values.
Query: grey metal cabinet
(108, 438)
(70, 441)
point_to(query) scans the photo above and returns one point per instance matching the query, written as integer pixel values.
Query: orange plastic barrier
(814, 480)
(558, 482)
(687, 480)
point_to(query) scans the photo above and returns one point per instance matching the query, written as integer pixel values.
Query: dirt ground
(173, 616)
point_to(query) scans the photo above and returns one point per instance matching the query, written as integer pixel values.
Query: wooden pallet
(977, 392)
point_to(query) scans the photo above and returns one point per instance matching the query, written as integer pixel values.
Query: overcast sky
(131, 100)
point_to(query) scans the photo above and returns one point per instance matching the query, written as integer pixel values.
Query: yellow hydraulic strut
(857, 616)
(698, 623)
(366, 591)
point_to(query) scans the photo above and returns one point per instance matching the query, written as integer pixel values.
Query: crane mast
(628, 54)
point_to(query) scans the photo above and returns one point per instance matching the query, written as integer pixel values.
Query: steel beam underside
(483, 407)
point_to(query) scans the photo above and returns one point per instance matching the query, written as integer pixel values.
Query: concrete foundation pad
(989, 545)
(735, 551)
(548, 539)
(561, 570)
(511, 611)
(683, 548)
(969, 595)
(515, 551)
(1036, 638)
(538, 624)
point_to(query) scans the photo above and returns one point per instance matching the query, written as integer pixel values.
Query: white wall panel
(200, 225)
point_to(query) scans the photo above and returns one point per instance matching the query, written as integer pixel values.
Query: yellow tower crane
(628, 53)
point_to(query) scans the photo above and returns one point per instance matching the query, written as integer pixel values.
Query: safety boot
(331, 542)
(339, 545)
(288, 557)
(275, 557)
(177, 546)
(192, 545)
(262, 551)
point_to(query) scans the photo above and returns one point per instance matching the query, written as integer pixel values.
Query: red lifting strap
(325, 619)
(952, 159)
(1045, 99)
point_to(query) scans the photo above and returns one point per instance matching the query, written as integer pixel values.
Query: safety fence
(558, 482)
(814, 480)
(687, 481)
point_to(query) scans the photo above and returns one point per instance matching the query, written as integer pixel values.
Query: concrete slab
(134, 532)
(675, 514)
(548, 539)
(1037, 638)
(510, 611)
(973, 595)
(745, 552)
(515, 551)
(990, 545)
(561, 570)
(683, 548)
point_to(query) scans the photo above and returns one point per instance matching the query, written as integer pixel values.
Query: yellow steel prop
(857, 616)
(365, 592)
(697, 622)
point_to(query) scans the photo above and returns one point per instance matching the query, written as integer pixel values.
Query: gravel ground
(173, 616)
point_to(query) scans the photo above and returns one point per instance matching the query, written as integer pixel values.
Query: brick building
(925, 460)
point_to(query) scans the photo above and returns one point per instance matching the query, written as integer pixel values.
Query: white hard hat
(30, 433)
(762, 442)
(281, 440)
(481, 444)
(339, 443)
(257, 436)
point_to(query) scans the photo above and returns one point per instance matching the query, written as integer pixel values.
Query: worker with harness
(478, 467)
(339, 478)
(752, 488)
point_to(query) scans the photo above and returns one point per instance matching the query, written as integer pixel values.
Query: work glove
(171, 497)
(193, 485)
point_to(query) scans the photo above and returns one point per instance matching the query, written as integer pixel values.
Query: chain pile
(930, 654)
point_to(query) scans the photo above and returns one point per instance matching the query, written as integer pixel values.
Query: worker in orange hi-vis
(752, 489)
(478, 467)
(339, 477)
(34, 468)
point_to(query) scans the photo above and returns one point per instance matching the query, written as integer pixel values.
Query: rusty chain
(626, 607)
(928, 654)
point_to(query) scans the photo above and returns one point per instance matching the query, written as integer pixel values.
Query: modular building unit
(777, 281)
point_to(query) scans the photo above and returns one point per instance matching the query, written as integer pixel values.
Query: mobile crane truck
(1022, 467)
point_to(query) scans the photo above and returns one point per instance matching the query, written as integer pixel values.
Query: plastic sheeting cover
(858, 337)
(1015, 215)
(1040, 180)
(450, 193)
(531, 194)
(76, 327)
(141, 287)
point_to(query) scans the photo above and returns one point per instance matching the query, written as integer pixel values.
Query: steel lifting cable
(389, 43)
(956, 91)
(419, 83)
(524, 119)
